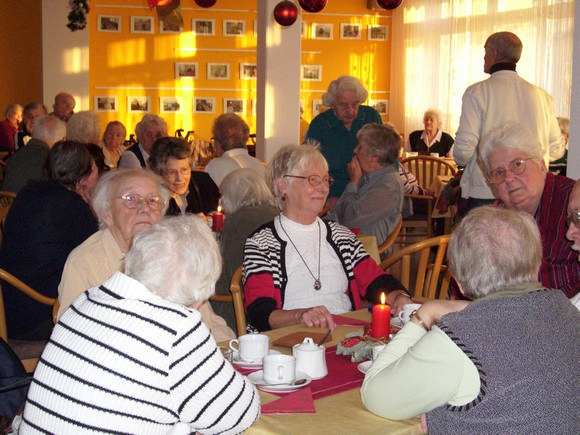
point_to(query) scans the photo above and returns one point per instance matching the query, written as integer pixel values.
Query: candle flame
(219, 210)
(383, 298)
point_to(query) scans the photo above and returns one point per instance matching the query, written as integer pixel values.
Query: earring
(283, 197)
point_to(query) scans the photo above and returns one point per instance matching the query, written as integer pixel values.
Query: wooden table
(342, 413)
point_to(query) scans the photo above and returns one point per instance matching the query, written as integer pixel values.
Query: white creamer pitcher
(310, 359)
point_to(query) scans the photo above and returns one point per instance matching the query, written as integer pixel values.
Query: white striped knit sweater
(123, 360)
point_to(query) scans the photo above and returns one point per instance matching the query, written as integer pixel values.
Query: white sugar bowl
(310, 358)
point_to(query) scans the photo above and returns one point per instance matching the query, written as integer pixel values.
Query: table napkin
(342, 375)
(299, 402)
(347, 321)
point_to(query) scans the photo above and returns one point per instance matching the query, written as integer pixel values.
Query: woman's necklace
(317, 283)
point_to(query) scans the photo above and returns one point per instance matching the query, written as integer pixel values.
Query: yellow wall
(124, 64)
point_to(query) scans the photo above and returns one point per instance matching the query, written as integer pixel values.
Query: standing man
(504, 96)
(63, 106)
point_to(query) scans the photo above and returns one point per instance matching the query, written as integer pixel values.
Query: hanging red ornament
(205, 3)
(389, 4)
(312, 5)
(285, 13)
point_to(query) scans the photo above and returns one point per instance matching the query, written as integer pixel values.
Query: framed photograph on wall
(248, 71)
(316, 105)
(109, 23)
(218, 71)
(205, 27)
(142, 24)
(170, 104)
(311, 73)
(350, 31)
(234, 27)
(321, 31)
(204, 105)
(378, 33)
(170, 27)
(186, 70)
(235, 105)
(138, 104)
(381, 106)
(106, 103)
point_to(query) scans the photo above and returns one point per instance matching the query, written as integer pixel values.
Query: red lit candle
(381, 323)
(217, 223)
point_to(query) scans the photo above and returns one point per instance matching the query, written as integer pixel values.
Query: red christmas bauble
(312, 5)
(389, 4)
(205, 3)
(285, 13)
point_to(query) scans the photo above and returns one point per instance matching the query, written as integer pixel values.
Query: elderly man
(504, 96)
(84, 127)
(126, 201)
(9, 128)
(505, 363)
(374, 179)
(63, 107)
(148, 130)
(513, 160)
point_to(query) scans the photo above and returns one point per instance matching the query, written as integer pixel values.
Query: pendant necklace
(317, 283)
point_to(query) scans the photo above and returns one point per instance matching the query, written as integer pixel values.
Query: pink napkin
(347, 321)
(299, 402)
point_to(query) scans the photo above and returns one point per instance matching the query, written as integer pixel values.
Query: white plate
(364, 367)
(257, 378)
(248, 364)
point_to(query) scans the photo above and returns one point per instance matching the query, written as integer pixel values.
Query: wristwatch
(414, 316)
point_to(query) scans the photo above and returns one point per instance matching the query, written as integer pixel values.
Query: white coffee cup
(434, 154)
(377, 350)
(406, 311)
(251, 347)
(279, 369)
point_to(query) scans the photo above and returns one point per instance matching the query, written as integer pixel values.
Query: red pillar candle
(217, 220)
(381, 322)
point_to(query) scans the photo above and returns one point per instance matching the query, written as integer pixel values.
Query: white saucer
(397, 323)
(248, 364)
(364, 367)
(257, 378)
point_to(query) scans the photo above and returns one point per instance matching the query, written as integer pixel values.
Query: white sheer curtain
(438, 51)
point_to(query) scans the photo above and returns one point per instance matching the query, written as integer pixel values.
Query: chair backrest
(6, 200)
(428, 270)
(426, 168)
(238, 297)
(392, 237)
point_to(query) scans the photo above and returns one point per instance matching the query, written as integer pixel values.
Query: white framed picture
(204, 105)
(106, 103)
(170, 104)
(109, 23)
(218, 71)
(138, 104)
(350, 30)
(248, 71)
(321, 31)
(170, 26)
(378, 32)
(381, 106)
(235, 105)
(316, 105)
(234, 27)
(311, 73)
(186, 70)
(203, 27)
(142, 24)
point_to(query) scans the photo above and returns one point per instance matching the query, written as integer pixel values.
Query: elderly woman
(84, 127)
(300, 269)
(133, 355)
(513, 160)
(374, 179)
(148, 130)
(48, 219)
(469, 377)
(9, 128)
(112, 143)
(231, 134)
(432, 139)
(191, 192)
(248, 204)
(336, 129)
(126, 201)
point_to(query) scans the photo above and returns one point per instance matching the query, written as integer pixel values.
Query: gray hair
(166, 147)
(111, 182)
(493, 249)
(83, 127)
(150, 121)
(177, 258)
(242, 188)
(344, 83)
(49, 129)
(382, 142)
(435, 113)
(68, 99)
(230, 131)
(69, 162)
(510, 136)
(507, 45)
(289, 159)
(13, 108)
(564, 124)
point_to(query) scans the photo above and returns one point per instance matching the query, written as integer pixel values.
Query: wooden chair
(28, 351)
(428, 273)
(392, 237)
(237, 292)
(6, 200)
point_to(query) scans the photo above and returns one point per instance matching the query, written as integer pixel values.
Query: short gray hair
(111, 182)
(13, 108)
(344, 83)
(435, 113)
(507, 45)
(49, 129)
(510, 136)
(177, 258)
(382, 141)
(493, 249)
(166, 147)
(242, 188)
(150, 121)
(230, 131)
(83, 127)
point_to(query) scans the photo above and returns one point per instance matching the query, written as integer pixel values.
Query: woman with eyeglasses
(300, 269)
(514, 165)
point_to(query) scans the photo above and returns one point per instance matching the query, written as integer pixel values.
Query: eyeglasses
(172, 173)
(516, 167)
(314, 180)
(573, 218)
(134, 200)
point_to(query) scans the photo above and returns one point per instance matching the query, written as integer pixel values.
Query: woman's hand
(397, 300)
(354, 170)
(432, 311)
(317, 317)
